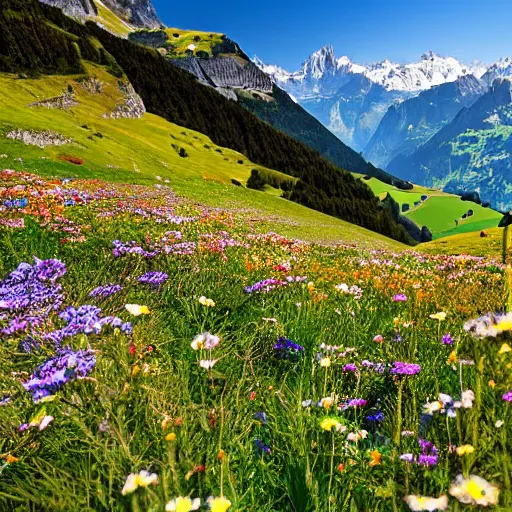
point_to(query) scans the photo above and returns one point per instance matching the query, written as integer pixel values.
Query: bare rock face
(133, 106)
(64, 101)
(80, 9)
(41, 139)
(140, 13)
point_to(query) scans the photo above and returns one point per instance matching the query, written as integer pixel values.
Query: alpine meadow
(225, 286)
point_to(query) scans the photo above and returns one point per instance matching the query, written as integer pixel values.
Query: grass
(111, 21)
(140, 150)
(203, 41)
(149, 405)
(439, 212)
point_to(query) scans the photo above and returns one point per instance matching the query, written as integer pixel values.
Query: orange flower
(376, 456)
(341, 467)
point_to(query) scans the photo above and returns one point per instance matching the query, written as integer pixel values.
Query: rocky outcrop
(64, 101)
(226, 72)
(140, 13)
(92, 85)
(133, 106)
(79, 9)
(152, 38)
(41, 139)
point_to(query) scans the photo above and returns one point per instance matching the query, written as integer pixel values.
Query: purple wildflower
(407, 457)
(400, 297)
(507, 396)
(288, 349)
(428, 460)
(354, 402)
(447, 339)
(378, 417)
(262, 448)
(153, 278)
(351, 367)
(106, 290)
(265, 286)
(59, 370)
(261, 417)
(400, 368)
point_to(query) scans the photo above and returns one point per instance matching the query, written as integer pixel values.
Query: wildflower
(262, 448)
(205, 341)
(401, 297)
(421, 503)
(181, 504)
(378, 417)
(326, 402)
(499, 423)
(400, 368)
(492, 383)
(261, 417)
(252, 396)
(407, 457)
(330, 423)
(376, 457)
(10, 459)
(439, 316)
(265, 286)
(57, 371)
(447, 339)
(170, 437)
(431, 407)
(341, 467)
(467, 399)
(507, 396)
(135, 480)
(311, 287)
(153, 278)
(357, 436)
(288, 349)
(351, 367)
(208, 364)
(209, 303)
(218, 504)
(137, 310)
(354, 402)
(489, 325)
(452, 358)
(474, 491)
(505, 348)
(106, 290)
(325, 362)
(464, 450)
(428, 460)
(378, 339)
(221, 455)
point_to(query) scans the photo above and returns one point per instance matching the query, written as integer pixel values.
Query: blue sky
(285, 32)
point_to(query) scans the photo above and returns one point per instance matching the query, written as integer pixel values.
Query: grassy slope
(111, 21)
(187, 37)
(440, 211)
(141, 150)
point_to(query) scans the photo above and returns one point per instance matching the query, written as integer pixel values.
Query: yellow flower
(452, 358)
(474, 490)
(491, 384)
(504, 349)
(170, 437)
(329, 423)
(209, 303)
(181, 504)
(327, 402)
(439, 316)
(137, 310)
(504, 325)
(464, 449)
(11, 458)
(219, 504)
(420, 503)
(376, 456)
(325, 362)
(135, 480)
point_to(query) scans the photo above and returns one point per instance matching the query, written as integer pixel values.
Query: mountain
(38, 39)
(139, 13)
(472, 153)
(351, 99)
(218, 62)
(500, 69)
(410, 123)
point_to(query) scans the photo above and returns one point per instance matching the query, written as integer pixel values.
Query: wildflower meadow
(162, 355)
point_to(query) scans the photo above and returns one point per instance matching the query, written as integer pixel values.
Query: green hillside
(440, 210)
(140, 150)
